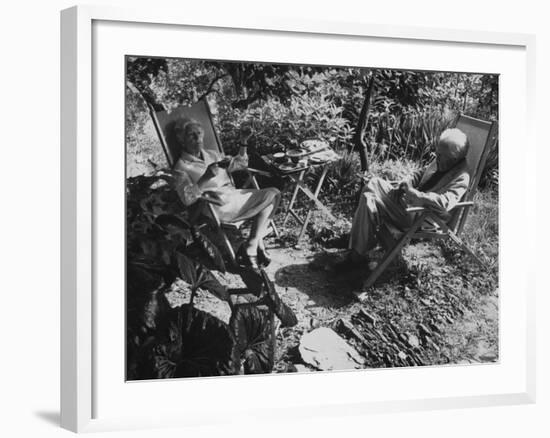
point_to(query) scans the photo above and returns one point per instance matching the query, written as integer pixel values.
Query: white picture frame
(84, 175)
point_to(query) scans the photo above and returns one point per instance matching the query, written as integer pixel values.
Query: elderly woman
(204, 173)
(382, 214)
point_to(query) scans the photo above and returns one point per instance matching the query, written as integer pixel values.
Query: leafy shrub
(284, 105)
(254, 338)
(189, 343)
(164, 247)
(394, 170)
(274, 124)
(327, 232)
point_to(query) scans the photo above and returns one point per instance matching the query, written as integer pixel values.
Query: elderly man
(203, 172)
(381, 214)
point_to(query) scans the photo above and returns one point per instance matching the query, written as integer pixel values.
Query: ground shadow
(51, 417)
(319, 282)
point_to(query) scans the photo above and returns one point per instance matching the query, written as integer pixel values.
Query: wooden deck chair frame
(481, 135)
(200, 111)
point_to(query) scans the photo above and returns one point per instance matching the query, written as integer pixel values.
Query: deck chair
(481, 135)
(164, 123)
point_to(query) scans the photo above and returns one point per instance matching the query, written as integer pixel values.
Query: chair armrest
(415, 209)
(258, 172)
(459, 205)
(463, 204)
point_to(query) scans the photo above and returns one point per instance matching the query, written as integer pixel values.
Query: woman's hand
(224, 162)
(213, 197)
(238, 162)
(211, 172)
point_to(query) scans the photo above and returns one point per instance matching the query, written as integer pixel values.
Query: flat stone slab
(325, 350)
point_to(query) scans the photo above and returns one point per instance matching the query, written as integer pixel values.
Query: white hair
(184, 124)
(456, 143)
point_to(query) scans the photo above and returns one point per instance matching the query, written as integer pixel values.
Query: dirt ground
(424, 312)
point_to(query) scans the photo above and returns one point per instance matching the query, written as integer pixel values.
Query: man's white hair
(456, 143)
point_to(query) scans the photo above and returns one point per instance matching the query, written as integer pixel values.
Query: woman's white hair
(183, 125)
(456, 143)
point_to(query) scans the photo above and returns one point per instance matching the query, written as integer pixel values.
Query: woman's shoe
(263, 258)
(245, 259)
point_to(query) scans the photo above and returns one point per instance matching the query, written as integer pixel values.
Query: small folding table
(297, 174)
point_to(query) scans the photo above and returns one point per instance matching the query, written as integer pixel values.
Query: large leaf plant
(163, 245)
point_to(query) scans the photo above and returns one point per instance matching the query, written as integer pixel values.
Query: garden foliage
(284, 105)
(164, 246)
(273, 106)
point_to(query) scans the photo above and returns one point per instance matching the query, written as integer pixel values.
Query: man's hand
(410, 195)
(365, 176)
(404, 187)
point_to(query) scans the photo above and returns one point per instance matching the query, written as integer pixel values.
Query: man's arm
(440, 202)
(415, 178)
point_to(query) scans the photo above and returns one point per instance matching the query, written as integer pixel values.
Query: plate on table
(295, 153)
(279, 157)
(317, 160)
(313, 145)
(286, 167)
(323, 157)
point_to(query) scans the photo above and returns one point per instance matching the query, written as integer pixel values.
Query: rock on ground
(325, 350)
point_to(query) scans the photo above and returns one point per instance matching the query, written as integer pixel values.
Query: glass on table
(242, 151)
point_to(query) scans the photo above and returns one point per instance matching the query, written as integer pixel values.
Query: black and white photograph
(292, 218)
(298, 219)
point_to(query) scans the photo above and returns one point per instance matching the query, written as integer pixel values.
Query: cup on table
(279, 157)
(294, 155)
(242, 151)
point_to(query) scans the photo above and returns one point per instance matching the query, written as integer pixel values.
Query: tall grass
(481, 229)
(410, 134)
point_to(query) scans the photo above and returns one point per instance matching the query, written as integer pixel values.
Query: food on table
(324, 156)
(287, 166)
(314, 145)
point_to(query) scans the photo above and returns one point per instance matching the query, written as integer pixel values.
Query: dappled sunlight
(204, 298)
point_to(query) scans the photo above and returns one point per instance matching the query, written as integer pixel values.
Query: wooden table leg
(294, 194)
(315, 199)
(254, 182)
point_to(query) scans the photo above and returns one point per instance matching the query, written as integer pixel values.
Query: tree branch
(210, 88)
(359, 137)
(243, 103)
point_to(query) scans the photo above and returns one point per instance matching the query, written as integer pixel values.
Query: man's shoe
(346, 265)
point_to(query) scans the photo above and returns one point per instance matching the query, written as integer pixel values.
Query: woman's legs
(259, 230)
